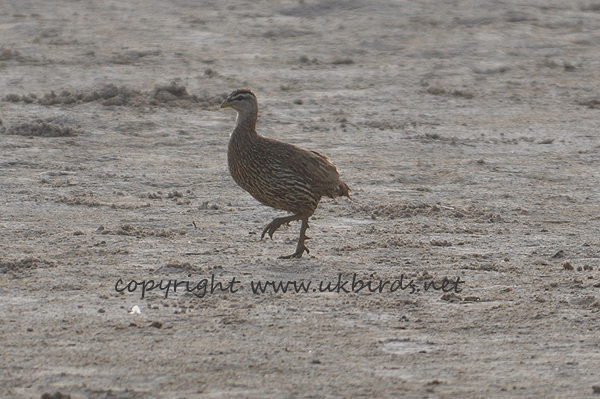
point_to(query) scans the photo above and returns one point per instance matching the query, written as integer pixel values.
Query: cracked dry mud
(468, 131)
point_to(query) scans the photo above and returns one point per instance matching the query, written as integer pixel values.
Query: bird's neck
(245, 125)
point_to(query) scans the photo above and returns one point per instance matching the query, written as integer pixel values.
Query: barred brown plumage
(280, 175)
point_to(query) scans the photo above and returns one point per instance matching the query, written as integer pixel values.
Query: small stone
(472, 299)
(156, 324)
(343, 61)
(436, 91)
(15, 98)
(135, 310)
(451, 297)
(569, 67)
(55, 395)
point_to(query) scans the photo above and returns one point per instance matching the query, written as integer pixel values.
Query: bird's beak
(224, 104)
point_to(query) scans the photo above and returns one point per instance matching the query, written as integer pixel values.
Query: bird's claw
(298, 254)
(270, 229)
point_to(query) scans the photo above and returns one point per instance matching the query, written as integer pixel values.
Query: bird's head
(242, 100)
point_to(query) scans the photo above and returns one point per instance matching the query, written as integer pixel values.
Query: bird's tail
(344, 190)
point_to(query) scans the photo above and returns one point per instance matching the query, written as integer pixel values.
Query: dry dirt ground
(468, 131)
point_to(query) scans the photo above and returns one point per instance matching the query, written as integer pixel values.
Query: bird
(278, 174)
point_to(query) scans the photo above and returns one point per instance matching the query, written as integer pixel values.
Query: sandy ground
(468, 131)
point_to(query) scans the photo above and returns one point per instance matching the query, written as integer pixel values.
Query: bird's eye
(239, 98)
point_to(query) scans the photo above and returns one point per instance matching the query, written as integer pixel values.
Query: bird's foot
(272, 228)
(300, 249)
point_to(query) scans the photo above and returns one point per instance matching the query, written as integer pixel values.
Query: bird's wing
(314, 168)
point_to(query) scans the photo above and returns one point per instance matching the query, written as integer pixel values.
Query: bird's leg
(276, 223)
(300, 248)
